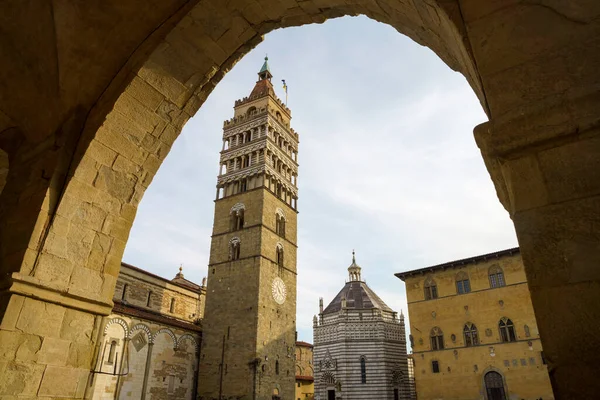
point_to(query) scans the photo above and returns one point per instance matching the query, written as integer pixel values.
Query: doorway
(331, 394)
(494, 386)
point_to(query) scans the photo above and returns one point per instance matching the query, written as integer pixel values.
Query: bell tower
(250, 315)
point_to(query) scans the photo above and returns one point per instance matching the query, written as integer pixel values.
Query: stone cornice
(32, 287)
(258, 120)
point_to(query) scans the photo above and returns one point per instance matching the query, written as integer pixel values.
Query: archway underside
(80, 164)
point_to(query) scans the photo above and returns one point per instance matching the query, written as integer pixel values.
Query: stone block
(79, 355)
(20, 379)
(77, 327)
(125, 165)
(40, 318)
(85, 282)
(60, 382)
(101, 153)
(53, 269)
(120, 143)
(54, 351)
(144, 93)
(11, 313)
(119, 184)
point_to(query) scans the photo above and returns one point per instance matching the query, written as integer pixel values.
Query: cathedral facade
(148, 347)
(359, 346)
(250, 317)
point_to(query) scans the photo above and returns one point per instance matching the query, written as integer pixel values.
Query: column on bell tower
(249, 324)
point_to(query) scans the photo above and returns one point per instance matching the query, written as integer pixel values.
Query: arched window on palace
(470, 333)
(234, 249)
(437, 338)
(430, 289)
(463, 285)
(507, 330)
(496, 276)
(279, 255)
(363, 369)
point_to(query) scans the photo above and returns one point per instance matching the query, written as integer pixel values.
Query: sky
(388, 165)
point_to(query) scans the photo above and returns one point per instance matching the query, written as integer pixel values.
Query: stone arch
(280, 212)
(482, 380)
(131, 128)
(328, 378)
(118, 321)
(189, 337)
(168, 332)
(122, 119)
(237, 207)
(397, 378)
(145, 329)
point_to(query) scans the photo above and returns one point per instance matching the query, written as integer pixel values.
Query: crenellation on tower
(249, 324)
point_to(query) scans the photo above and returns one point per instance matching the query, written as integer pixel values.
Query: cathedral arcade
(93, 98)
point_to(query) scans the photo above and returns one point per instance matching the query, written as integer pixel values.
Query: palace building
(359, 346)
(473, 331)
(250, 317)
(148, 347)
(305, 388)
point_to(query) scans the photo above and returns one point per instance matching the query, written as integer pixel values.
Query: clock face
(279, 291)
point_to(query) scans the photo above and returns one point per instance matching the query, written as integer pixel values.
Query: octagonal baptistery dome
(359, 345)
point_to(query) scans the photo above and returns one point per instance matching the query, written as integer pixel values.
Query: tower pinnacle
(265, 72)
(354, 269)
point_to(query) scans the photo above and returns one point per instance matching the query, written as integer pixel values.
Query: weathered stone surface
(77, 327)
(40, 318)
(60, 381)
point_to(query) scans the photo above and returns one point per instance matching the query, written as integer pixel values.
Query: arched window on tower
(277, 367)
(437, 338)
(430, 289)
(279, 251)
(236, 217)
(280, 224)
(363, 369)
(470, 333)
(124, 293)
(507, 330)
(463, 285)
(496, 276)
(172, 306)
(234, 249)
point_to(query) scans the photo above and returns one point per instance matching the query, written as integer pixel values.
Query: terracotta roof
(155, 316)
(358, 297)
(304, 378)
(186, 285)
(458, 263)
(303, 344)
(262, 88)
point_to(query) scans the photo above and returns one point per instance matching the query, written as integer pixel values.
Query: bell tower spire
(265, 72)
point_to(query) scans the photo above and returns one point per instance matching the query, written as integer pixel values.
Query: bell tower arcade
(250, 315)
